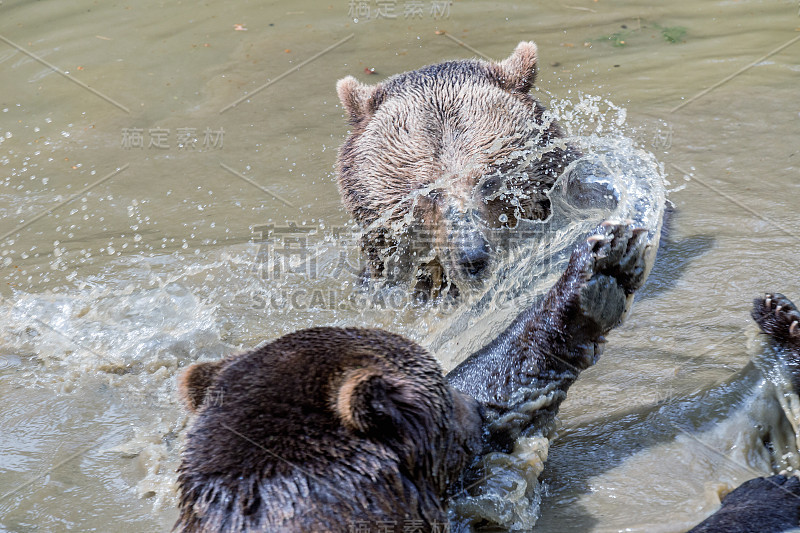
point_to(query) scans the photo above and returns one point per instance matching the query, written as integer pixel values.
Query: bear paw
(777, 316)
(613, 266)
(618, 250)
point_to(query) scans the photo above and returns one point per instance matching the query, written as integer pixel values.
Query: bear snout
(468, 248)
(474, 257)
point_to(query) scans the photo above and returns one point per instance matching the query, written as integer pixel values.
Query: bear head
(358, 421)
(439, 159)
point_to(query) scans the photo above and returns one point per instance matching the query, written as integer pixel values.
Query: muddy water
(128, 251)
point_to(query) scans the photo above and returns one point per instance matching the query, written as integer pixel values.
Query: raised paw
(609, 268)
(618, 250)
(777, 316)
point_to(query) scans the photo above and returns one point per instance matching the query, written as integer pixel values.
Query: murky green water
(144, 258)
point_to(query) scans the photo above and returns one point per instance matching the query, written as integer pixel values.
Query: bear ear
(195, 381)
(367, 400)
(355, 97)
(519, 70)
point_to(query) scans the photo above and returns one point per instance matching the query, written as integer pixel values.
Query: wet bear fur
(761, 505)
(327, 428)
(766, 504)
(319, 430)
(440, 161)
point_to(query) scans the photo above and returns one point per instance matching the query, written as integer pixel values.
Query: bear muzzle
(469, 251)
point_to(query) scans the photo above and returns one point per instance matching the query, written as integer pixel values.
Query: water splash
(129, 324)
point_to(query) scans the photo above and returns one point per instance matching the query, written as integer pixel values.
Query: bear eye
(490, 185)
(434, 195)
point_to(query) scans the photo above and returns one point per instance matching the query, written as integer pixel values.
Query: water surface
(145, 259)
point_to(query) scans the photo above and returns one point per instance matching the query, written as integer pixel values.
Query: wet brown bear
(440, 160)
(327, 428)
(321, 429)
(766, 504)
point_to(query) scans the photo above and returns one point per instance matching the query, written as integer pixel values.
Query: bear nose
(474, 259)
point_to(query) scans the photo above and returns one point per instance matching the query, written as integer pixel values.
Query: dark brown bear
(439, 160)
(321, 429)
(766, 504)
(325, 429)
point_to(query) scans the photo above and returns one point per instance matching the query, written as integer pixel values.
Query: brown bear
(320, 430)
(766, 504)
(440, 163)
(331, 429)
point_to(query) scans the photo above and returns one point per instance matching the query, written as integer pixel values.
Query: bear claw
(619, 252)
(782, 321)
